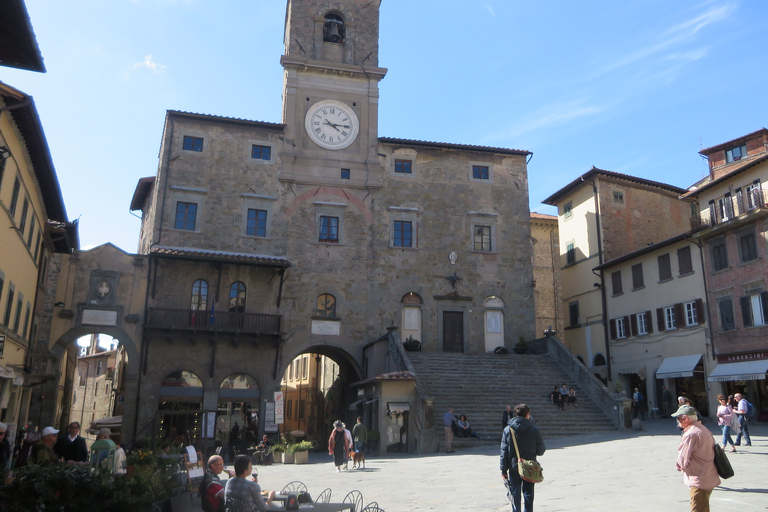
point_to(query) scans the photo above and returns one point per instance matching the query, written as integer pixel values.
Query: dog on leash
(358, 459)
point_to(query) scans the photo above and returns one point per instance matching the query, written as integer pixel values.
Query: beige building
(33, 223)
(603, 215)
(659, 325)
(546, 274)
(733, 217)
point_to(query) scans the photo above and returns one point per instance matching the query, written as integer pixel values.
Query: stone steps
(480, 386)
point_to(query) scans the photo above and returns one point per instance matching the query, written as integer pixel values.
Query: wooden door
(453, 331)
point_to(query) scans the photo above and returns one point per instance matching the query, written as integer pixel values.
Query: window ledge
(483, 252)
(330, 244)
(687, 274)
(325, 318)
(638, 288)
(405, 248)
(255, 237)
(665, 280)
(568, 328)
(617, 294)
(722, 270)
(745, 263)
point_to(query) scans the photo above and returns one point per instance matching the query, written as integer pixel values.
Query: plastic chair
(294, 486)
(356, 498)
(324, 497)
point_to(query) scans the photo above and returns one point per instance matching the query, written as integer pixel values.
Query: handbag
(723, 465)
(529, 470)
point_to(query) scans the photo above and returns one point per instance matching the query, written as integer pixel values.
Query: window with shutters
(719, 256)
(684, 264)
(621, 329)
(725, 306)
(754, 195)
(637, 276)
(665, 269)
(747, 247)
(669, 320)
(570, 253)
(616, 281)
(754, 309)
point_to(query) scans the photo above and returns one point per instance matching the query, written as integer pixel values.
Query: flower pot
(287, 458)
(521, 350)
(301, 457)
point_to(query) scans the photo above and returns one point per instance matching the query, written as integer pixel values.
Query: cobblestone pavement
(632, 471)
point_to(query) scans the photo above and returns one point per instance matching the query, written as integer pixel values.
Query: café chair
(294, 486)
(233, 505)
(372, 507)
(324, 497)
(356, 498)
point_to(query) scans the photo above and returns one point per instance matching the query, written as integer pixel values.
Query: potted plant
(278, 450)
(301, 452)
(412, 345)
(288, 453)
(521, 346)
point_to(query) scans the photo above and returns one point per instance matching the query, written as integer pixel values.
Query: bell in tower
(333, 29)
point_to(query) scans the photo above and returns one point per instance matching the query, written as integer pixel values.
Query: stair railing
(591, 386)
(423, 412)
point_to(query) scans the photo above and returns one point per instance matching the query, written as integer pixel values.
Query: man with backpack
(743, 412)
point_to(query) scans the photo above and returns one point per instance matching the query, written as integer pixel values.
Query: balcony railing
(729, 207)
(218, 321)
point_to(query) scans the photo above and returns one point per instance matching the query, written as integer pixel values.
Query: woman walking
(338, 445)
(724, 420)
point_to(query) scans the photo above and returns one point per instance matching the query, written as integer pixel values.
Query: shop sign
(727, 378)
(735, 358)
(279, 408)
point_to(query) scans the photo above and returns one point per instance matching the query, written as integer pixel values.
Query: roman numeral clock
(331, 124)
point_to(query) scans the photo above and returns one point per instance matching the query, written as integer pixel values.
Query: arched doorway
(179, 411)
(316, 392)
(237, 417)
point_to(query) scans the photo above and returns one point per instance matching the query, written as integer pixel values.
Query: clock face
(331, 124)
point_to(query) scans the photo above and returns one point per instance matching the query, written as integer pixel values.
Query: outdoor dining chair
(294, 486)
(233, 505)
(356, 498)
(324, 497)
(372, 507)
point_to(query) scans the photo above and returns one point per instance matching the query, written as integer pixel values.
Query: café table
(321, 507)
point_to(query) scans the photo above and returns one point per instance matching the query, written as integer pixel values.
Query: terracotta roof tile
(210, 254)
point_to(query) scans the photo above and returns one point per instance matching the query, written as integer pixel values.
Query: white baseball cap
(49, 430)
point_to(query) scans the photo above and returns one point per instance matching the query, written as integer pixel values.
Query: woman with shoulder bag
(725, 420)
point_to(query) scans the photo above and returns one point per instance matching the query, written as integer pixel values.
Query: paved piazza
(628, 471)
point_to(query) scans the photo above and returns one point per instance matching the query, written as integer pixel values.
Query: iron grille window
(483, 238)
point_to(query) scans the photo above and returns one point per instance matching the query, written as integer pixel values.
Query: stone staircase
(481, 386)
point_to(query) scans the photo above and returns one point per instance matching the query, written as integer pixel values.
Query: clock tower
(331, 93)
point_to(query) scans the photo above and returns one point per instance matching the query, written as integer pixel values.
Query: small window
(199, 295)
(329, 229)
(616, 281)
(326, 306)
(691, 314)
(637, 276)
(747, 247)
(573, 314)
(727, 322)
(24, 213)
(684, 264)
(193, 143)
(482, 238)
(186, 216)
(618, 197)
(32, 225)
(481, 172)
(345, 174)
(754, 309)
(570, 253)
(237, 296)
(403, 235)
(755, 196)
(737, 153)
(259, 152)
(17, 318)
(403, 166)
(568, 210)
(719, 256)
(15, 197)
(257, 223)
(725, 208)
(665, 269)
(642, 324)
(669, 318)
(621, 328)
(8, 308)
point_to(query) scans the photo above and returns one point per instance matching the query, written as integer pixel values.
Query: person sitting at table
(264, 444)
(241, 489)
(464, 429)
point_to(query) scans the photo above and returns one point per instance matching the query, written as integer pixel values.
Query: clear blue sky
(637, 87)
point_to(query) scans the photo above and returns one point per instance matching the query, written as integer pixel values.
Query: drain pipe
(603, 298)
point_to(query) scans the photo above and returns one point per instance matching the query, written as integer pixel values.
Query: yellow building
(33, 224)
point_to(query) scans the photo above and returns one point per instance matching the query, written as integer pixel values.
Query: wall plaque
(99, 317)
(326, 328)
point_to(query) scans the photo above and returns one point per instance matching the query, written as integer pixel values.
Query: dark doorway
(453, 331)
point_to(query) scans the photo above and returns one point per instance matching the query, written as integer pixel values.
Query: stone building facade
(546, 273)
(265, 241)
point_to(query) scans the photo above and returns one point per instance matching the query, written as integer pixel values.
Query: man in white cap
(696, 458)
(42, 452)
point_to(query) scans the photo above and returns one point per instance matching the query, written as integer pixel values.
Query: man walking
(743, 412)
(696, 458)
(506, 416)
(72, 447)
(666, 401)
(448, 420)
(531, 444)
(359, 434)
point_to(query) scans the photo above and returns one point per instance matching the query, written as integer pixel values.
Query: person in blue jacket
(531, 444)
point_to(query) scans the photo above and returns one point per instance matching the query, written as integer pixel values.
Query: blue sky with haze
(636, 87)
